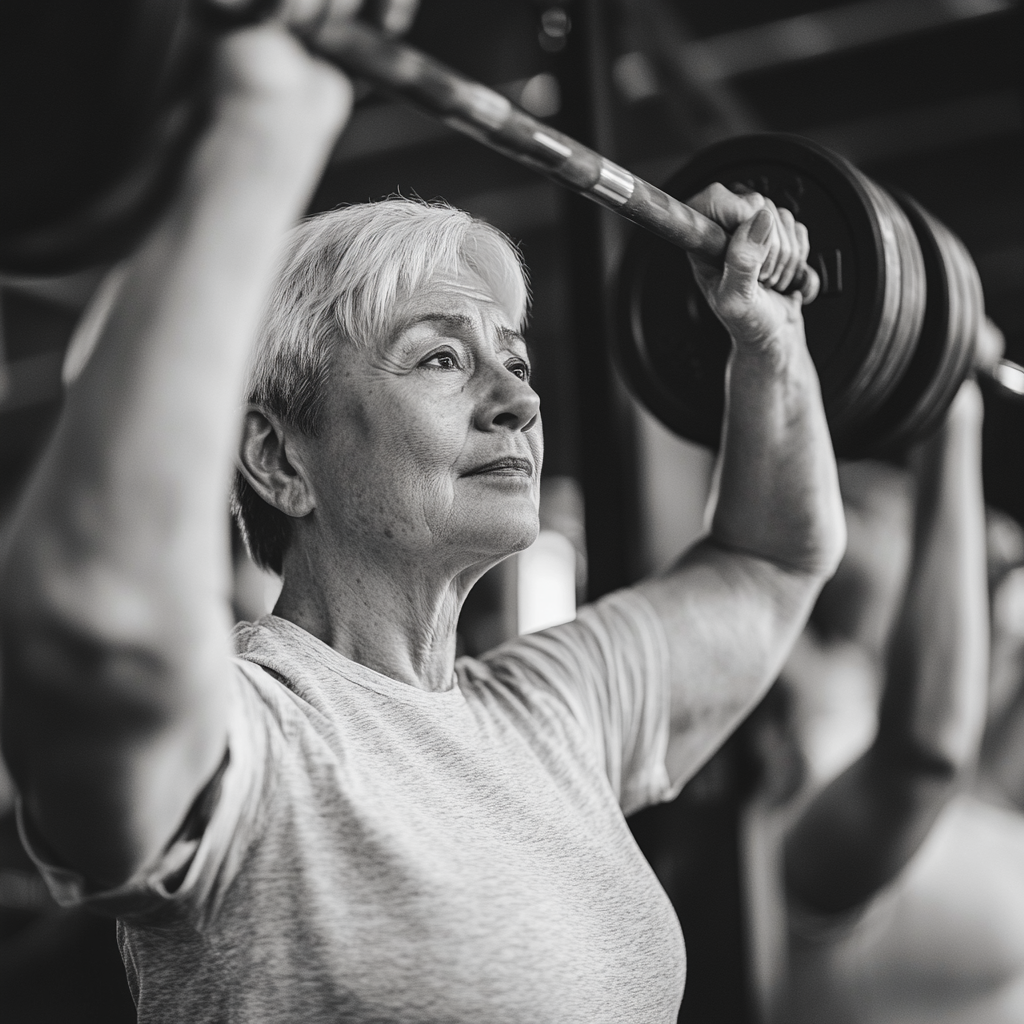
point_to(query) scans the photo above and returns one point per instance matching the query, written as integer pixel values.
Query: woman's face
(433, 446)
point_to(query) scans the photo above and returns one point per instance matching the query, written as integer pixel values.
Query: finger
(808, 283)
(771, 264)
(803, 241)
(725, 207)
(793, 261)
(785, 255)
(748, 248)
(805, 280)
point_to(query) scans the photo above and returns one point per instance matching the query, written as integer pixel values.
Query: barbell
(892, 333)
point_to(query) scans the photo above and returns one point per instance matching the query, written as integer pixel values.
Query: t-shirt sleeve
(610, 670)
(190, 877)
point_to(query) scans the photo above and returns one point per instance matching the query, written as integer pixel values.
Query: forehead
(460, 302)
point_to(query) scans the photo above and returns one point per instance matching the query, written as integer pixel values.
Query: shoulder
(619, 628)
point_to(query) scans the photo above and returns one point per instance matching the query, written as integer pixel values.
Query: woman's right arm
(115, 581)
(861, 830)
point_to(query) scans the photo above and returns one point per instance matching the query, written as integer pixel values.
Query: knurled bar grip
(489, 117)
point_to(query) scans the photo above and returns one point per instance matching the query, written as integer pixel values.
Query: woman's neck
(399, 620)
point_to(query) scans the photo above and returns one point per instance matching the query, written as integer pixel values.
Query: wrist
(270, 92)
(768, 368)
(282, 130)
(256, 158)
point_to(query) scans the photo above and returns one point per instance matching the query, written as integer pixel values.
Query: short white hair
(343, 277)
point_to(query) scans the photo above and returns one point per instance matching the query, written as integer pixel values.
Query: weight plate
(102, 104)
(902, 332)
(867, 388)
(965, 285)
(672, 349)
(920, 388)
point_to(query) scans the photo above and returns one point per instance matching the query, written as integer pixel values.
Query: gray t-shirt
(379, 853)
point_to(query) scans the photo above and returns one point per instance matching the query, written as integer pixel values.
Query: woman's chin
(500, 532)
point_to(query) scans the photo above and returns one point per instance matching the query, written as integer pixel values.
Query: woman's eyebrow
(460, 322)
(508, 335)
(450, 321)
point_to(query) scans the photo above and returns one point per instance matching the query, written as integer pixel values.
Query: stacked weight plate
(891, 333)
(942, 356)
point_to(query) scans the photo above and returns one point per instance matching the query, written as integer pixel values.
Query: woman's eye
(520, 369)
(443, 361)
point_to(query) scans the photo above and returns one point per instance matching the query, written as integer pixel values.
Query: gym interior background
(924, 95)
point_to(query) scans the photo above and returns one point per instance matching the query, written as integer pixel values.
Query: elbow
(830, 536)
(818, 552)
(831, 549)
(83, 650)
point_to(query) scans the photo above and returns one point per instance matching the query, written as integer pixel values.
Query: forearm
(777, 487)
(131, 490)
(735, 603)
(136, 473)
(933, 710)
(114, 605)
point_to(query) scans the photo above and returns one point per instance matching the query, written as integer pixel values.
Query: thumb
(748, 249)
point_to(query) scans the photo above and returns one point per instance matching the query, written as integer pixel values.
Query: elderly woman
(343, 822)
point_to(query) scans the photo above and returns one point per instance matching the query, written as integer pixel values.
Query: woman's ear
(269, 461)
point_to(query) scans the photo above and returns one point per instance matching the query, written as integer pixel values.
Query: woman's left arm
(734, 604)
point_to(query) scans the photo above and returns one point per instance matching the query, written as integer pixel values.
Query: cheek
(535, 437)
(430, 448)
(403, 454)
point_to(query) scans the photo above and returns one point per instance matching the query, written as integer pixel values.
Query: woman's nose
(508, 403)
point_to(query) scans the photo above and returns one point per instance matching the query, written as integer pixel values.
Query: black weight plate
(903, 334)
(910, 315)
(945, 351)
(101, 103)
(901, 415)
(872, 377)
(966, 286)
(669, 344)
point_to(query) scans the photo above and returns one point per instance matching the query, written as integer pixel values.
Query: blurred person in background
(344, 823)
(892, 882)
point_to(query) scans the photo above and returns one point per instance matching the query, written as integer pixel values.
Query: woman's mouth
(510, 465)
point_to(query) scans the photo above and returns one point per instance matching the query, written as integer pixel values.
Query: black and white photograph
(511, 512)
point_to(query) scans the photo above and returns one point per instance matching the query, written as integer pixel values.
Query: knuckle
(714, 192)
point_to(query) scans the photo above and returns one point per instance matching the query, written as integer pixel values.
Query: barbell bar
(489, 117)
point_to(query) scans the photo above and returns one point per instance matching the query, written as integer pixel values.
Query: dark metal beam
(605, 432)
